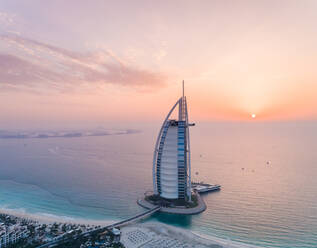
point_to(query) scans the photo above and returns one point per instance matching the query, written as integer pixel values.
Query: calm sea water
(100, 178)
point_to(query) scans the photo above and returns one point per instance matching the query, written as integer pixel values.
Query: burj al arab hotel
(171, 159)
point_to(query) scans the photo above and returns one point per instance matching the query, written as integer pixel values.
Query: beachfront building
(11, 235)
(171, 160)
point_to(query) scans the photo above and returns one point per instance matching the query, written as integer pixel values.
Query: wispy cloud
(6, 19)
(34, 64)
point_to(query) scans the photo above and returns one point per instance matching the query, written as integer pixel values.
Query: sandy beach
(151, 234)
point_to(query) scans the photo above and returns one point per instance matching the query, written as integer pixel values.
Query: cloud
(6, 19)
(33, 64)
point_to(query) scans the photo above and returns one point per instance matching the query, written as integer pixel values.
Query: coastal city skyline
(239, 58)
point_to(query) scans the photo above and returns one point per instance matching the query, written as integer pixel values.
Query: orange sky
(124, 61)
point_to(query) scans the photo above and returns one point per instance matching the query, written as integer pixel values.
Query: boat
(205, 187)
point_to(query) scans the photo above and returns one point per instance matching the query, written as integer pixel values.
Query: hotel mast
(171, 159)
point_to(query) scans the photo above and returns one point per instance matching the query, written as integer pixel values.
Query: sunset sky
(92, 62)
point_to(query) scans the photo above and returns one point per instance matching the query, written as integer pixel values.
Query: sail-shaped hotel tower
(171, 160)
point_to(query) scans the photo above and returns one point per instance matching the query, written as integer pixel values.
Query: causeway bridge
(63, 239)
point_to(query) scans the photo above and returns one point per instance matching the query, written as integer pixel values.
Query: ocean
(268, 174)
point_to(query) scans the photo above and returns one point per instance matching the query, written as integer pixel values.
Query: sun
(253, 116)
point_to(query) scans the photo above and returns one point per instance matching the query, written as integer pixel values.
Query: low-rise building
(116, 234)
(12, 234)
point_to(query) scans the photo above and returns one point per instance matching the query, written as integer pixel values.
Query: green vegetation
(20, 243)
(72, 243)
(7, 220)
(76, 243)
(194, 202)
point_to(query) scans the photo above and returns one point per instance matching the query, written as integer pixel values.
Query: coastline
(44, 218)
(159, 231)
(224, 242)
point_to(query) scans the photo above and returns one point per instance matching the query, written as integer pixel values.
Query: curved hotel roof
(171, 160)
